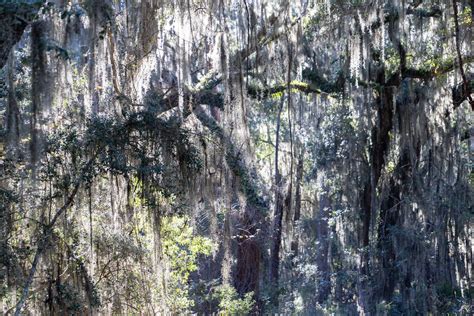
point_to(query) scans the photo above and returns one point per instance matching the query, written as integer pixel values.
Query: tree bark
(297, 213)
(278, 213)
(322, 239)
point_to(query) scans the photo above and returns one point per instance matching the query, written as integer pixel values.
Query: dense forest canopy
(164, 157)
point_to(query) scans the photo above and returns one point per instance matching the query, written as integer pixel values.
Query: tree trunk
(278, 213)
(322, 240)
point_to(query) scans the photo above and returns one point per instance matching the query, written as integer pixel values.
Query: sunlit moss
(277, 95)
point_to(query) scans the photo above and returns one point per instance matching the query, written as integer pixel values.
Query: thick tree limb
(460, 92)
(315, 83)
(431, 12)
(392, 15)
(436, 71)
(262, 93)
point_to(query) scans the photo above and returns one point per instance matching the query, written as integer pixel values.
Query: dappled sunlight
(236, 157)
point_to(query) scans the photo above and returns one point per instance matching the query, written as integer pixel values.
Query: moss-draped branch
(14, 18)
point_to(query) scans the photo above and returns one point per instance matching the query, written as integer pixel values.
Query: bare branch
(47, 230)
